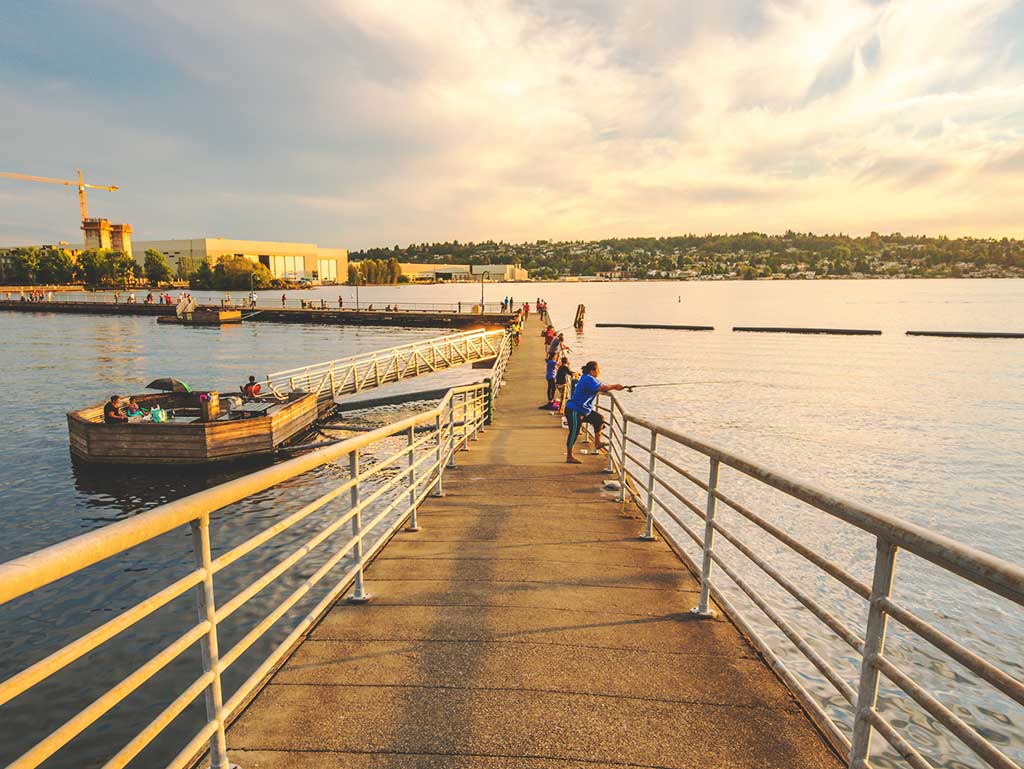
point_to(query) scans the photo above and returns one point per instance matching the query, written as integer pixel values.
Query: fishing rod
(630, 388)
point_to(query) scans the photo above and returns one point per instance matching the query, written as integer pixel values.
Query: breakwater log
(88, 308)
(660, 326)
(797, 330)
(971, 334)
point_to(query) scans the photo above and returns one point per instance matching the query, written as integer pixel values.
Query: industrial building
(464, 272)
(291, 261)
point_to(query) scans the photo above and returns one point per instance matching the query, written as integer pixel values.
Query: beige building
(291, 261)
(464, 272)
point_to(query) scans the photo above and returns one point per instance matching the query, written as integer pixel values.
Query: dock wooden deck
(525, 625)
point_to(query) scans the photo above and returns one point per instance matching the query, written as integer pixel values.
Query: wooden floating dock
(654, 326)
(797, 330)
(970, 334)
(347, 317)
(526, 625)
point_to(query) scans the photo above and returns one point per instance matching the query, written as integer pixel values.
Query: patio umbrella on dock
(170, 385)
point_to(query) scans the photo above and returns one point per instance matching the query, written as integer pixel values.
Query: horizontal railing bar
(34, 570)
(63, 734)
(1004, 682)
(46, 667)
(904, 748)
(834, 623)
(435, 341)
(241, 598)
(698, 540)
(671, 490)
(989, 571)
(797, 640)
(822, 563)
(635, 442)
(158, 724)
(962, 730)
(196, 746)
(662, 459)
(839, 741)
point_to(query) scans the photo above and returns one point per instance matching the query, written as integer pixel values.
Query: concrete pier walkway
(525, 625)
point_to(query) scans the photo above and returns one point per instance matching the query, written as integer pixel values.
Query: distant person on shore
(580, 409)
(284, 300)
(341, 303)
(251, 389)
(112, 411)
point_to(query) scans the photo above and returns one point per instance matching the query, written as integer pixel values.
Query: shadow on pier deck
(525, 625)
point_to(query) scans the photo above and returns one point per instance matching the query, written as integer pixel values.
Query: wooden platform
(525, 625)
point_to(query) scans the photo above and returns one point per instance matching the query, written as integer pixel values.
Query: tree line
(375, 271)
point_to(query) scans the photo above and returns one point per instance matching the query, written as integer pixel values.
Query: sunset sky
(376, 122)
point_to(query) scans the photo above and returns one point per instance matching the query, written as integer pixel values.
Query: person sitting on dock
(251, 389)
(580, 408)
(113, 412)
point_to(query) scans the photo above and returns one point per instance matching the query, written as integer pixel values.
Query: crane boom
(67, 183)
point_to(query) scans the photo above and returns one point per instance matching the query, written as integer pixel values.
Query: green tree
(202, 278)
(92, 268)
(156, 267)
(394, 271)
(121, 268)
(55, 266)
(24, 265)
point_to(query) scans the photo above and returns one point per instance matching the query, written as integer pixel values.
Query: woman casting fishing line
(580, 408)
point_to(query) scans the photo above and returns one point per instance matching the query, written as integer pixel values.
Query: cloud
(359, 123)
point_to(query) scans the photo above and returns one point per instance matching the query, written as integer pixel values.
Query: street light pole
(488, 274)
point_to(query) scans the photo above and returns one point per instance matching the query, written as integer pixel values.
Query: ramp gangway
(367, 371)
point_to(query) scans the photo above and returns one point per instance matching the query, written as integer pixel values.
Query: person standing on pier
(580, 408)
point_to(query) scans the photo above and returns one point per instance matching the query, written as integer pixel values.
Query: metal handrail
(366, 371)
(392, 487)
(643, 477)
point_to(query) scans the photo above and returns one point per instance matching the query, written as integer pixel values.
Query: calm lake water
(931, 430)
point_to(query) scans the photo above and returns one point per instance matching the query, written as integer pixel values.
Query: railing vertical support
(874, 645)
(622, 462)
(207, 611)
(334, 386)
(413, 524)
(359, 594)
(703, 609)
(610, 440)
(648, 534)
(489, 414)
(438, 485)
(451, 432)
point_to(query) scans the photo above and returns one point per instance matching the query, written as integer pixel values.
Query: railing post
(648, 534)
(703, 610)
(874, 645)
(438, 487)
(451, 432)
(413, 524)
(334, 391)
(622, 462)
(610, 441)
(359, 595)
(207, 611)
(489, 415)
(477, 410)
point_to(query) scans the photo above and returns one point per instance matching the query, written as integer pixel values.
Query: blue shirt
(583, 395)
(550, 368)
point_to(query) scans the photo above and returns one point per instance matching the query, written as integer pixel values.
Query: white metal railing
(356, 373)
(639, 454)
(386, 493)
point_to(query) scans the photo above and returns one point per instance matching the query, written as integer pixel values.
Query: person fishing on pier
(579, 409)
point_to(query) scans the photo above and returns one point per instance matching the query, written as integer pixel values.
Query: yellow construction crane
(67, 183)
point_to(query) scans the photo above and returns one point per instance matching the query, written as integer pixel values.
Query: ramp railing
(345, 376)
(384, 494)
(649, 460)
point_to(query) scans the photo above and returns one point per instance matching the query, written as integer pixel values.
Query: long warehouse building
(292, 261)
